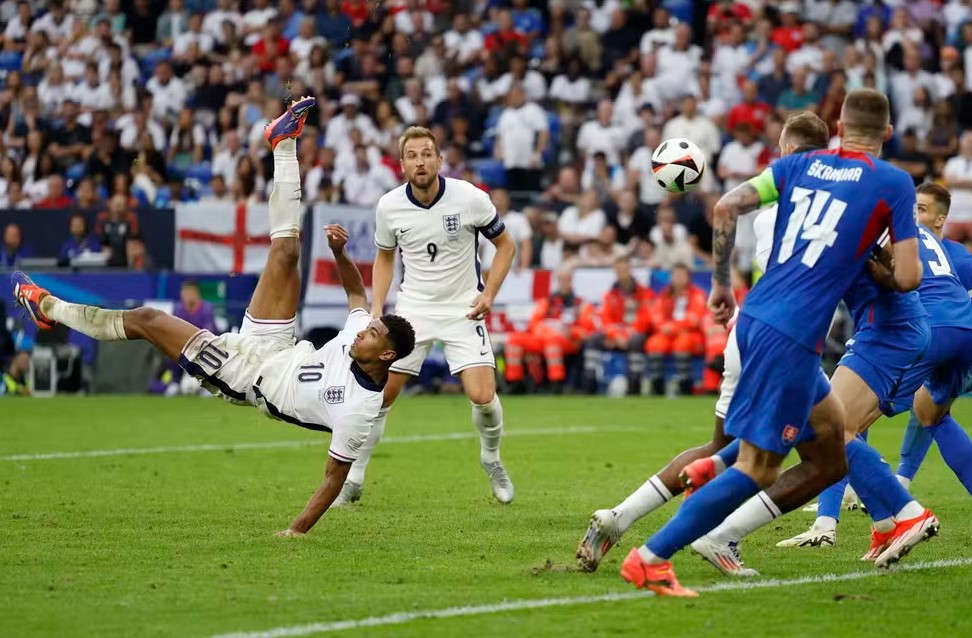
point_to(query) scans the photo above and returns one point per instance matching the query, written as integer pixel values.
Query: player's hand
(481, 306)
(722, 303)
(337, 237)
(289, 533)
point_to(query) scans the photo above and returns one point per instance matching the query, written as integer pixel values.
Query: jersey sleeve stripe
(381, 245)
(493, 229)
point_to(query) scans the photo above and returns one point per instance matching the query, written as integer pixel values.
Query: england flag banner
(218, 237)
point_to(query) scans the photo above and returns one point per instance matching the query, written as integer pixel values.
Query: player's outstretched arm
(350, 276)
(381, 279)
(334, 475)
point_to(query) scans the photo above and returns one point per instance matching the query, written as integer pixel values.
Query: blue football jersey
(945, 297)
(833, 206)
(962, 260)
(870, 303)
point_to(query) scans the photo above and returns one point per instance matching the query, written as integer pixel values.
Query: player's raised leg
(167, 333)
(278, 290)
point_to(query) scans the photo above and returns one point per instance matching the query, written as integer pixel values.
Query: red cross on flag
(218, 237)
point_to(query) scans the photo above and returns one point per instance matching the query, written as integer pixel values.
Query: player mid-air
(833, 208)
(435, 223)
(336, 389)
(802, 132)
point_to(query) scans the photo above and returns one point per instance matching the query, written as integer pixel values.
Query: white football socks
(749, 517)
(825, 524)
(357, 472)
(488, 419)
(911, 510)
(97, 323)
(650, 496)
(285, 204)
(905, 481)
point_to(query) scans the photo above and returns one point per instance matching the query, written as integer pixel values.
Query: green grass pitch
(179, 542)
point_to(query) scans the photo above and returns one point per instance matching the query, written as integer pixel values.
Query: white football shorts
(465, 342)
(730, 374)
(229, 364)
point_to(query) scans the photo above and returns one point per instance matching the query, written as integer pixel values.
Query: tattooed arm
(745, 198)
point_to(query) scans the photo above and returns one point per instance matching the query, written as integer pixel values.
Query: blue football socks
(914, 447)
(956, 448)
(702, 513)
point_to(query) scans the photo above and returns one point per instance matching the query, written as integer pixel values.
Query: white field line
(403, 617)
(232, 447)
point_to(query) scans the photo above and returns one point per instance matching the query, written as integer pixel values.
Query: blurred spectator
(79, 242)
(70, 142)
(601, 135)
(366, 181)
(136, 255)
(632, 223)
(583, 222)
(522, 134)
(751, 110)
(228, 158)
(57, 196)
(169, 93)
(958, 179)
(690, 125)
(564, 192)
(548, 245)
(85, 194)
(186, 143)
(114, 226)
(218, 191)
(107, 161)
(603, 251)
(172, 24)
(603, 178)
(13, 249)
(671, 241)
(676, 330)
(910, 159)
(463, 44)
(519, 228)
(640, 171)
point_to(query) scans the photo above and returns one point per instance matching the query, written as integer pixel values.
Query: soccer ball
(678, 165)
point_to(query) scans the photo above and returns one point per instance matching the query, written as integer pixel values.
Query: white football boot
(602, 534)
(723, 556)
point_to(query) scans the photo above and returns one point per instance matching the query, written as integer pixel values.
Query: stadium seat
(491, 171)
(203, 172)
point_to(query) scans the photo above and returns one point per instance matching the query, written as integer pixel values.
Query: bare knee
(138, 321)
(284, 252)
(481, 396)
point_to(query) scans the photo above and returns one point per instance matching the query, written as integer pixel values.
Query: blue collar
(364, 380)
(411, 197)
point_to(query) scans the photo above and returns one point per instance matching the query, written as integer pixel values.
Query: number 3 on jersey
(806, 223)
(940, 265)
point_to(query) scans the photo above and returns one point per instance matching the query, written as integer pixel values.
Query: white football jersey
(324, 389)
(439, 244)
(763, 227)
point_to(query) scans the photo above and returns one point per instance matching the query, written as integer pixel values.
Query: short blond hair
(416, 133)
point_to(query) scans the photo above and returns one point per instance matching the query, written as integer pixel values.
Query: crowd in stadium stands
(554, 106)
